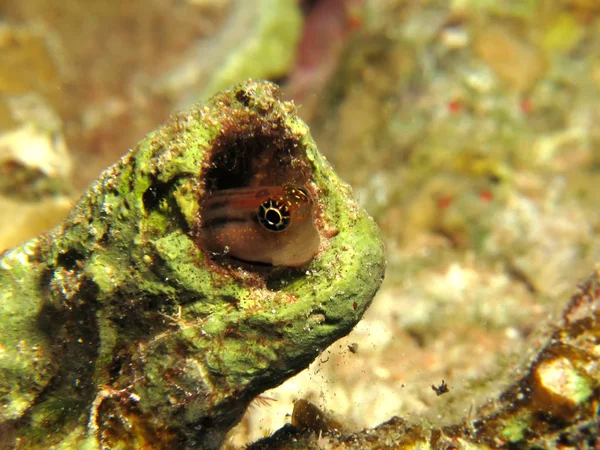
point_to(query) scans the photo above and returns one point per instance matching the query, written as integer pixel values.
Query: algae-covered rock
(120, 329)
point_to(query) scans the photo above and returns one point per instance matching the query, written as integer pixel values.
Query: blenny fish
(272, 225)
(154, 314)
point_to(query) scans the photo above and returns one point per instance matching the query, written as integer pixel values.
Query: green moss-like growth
(118, 330)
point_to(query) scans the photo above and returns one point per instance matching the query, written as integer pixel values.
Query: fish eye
(273, 215)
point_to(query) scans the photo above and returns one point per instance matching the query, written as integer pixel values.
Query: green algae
(145, 339)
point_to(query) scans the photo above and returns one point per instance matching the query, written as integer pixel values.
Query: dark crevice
(145, 316)
(140, 318)
(160, 195)
(50, 320)
(114, 368)
(69, 259)
(156, 193)
(254, 149)
(105, 238)
(258, 153)
(75, 341)
(243, 97)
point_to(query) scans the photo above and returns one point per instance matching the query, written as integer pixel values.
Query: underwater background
(467, 129)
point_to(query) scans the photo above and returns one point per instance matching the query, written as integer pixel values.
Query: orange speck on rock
(455, 106)
(486, 195)
(527, 106)
(444, 201)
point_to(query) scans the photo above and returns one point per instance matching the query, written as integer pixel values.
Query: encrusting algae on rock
(125, 327)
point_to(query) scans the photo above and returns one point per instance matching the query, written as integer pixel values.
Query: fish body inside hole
(272, 225)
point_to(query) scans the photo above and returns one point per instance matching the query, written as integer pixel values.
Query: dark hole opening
(253, 151)
(256, 161)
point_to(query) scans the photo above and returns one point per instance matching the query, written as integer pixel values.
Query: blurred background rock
(466, 127)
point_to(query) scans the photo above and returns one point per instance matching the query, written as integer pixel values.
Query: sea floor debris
(552, 404)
